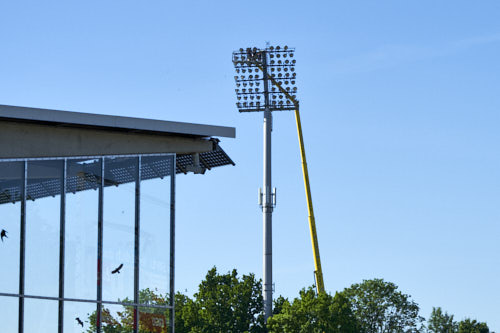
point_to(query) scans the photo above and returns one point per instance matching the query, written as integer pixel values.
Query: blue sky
(400, 111)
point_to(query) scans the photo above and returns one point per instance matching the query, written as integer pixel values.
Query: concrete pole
(267, 207)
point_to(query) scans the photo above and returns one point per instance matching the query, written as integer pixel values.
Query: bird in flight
(3, 234)
(80, 322)
(117, 269)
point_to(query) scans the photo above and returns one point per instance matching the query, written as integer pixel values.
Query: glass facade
(87, 244)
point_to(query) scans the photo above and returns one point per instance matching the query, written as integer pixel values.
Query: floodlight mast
(282, 74)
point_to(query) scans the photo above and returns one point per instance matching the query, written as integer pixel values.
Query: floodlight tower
(255, 67)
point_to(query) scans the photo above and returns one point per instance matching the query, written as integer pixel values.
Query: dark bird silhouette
(3, 234)
(80, 322)
(117, 269)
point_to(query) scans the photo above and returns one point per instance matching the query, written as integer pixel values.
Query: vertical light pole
(253, 67)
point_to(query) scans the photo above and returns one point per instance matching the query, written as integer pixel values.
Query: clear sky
(401, 113)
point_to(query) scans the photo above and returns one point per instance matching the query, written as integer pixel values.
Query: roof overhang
(34, 133)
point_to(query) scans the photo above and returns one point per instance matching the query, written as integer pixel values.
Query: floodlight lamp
(272, 69)
(244, 84)
(294, 61)
(279, 69)
(285, 69)
(241, 49)
(244, 90)
(293, 82)
(285, 47)
(287, 88)
(250, 77)
(245, 97)
(243, 70)
(284, 55)
(238, 97)
(291, 55)
(245, 103)
(294, 89)
(271, 48)
(272, 62)
(258, 97)
(271, 55)
(278, 55)
(256, 77)
(278, 48)
(236, 78)
(242, 77)
(257, 103)
(280, 75)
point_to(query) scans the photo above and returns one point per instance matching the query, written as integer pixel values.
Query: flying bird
(80, 322)
(3, 234)
(117, 269)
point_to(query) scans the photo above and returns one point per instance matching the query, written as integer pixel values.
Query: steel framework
(165, 165)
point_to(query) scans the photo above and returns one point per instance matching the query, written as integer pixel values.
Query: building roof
(98, 121)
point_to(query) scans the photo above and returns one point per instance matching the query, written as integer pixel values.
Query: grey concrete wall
(22, 140)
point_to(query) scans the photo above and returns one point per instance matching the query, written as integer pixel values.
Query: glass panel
(11, 174)
(79, 317)
(153, 320)
(42, 227)
(9, 310)
(119, 228)
(82, 203)
(155, 229)
(118, 318)
(40, 315)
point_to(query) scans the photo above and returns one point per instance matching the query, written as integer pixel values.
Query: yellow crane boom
(318, 272)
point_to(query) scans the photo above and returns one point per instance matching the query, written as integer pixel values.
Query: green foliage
(226, 303)
(472, 326)
(381, 308)
(313, 313)
(440, 322)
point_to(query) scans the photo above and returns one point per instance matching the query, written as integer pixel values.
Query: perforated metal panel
(85, 174)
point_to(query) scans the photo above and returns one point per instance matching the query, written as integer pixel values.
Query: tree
(381, 308)
(313, 313)
(472, 326)
(226, 303)
(440, 322)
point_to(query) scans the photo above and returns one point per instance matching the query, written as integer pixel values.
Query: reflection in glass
(40, 316)
(119, 228)
(82, 200)
(9, 313)
(153, 320)
(11, 174)
(78, 317)
(119, 318)
(155, 224)
(42, 227)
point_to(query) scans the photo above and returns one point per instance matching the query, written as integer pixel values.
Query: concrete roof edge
(109, 121)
